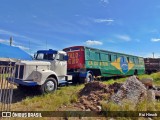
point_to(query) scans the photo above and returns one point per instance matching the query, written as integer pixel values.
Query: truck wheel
(89, 78)
(50, 85)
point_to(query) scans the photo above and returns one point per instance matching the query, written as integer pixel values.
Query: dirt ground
(90, 97)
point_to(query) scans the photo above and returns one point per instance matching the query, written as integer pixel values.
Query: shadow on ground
(18, 95)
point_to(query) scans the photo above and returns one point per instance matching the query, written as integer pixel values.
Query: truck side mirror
(66, 57)
(35, 55)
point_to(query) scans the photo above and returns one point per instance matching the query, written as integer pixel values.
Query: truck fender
(40, 76)
(90, 72)
(86, 76)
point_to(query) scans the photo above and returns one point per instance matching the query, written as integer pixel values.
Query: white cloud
(9, 33)
(123, 37)
(103, 20)
(105, 1)
(4, 41)
(93, 42)
(150, 55)
(21, 47)
(155, 39)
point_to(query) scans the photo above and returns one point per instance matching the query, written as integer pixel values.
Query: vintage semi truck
(77, 64)
(46, 72)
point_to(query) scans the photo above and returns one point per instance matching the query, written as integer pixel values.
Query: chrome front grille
(19, 71)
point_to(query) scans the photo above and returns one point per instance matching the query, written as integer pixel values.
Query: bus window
(91, 55)
(104, 57)
(122, 58)
(115, 58)
(141, 61)
(136, 61)
(109, 57)
(100, 57)
(133, 60)
(128, 59)
(97, 56)
(88, 55)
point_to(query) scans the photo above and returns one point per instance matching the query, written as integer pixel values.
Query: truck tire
(89, 78)
(49, 86)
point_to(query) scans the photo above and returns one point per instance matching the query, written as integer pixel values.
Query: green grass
(65, 96)
(111, 81)
(155, 76)
(49, 102)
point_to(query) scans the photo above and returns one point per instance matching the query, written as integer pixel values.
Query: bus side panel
(75, 60)
(135, 64)
(104, 63)
(98, 63)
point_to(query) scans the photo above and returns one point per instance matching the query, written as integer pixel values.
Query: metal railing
(6, 88)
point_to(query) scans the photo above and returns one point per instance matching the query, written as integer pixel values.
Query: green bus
(87, 62)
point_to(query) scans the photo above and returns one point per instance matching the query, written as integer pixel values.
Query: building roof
(12, 52)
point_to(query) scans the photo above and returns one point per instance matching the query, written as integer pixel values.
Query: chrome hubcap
(89, 79)
(50, 86)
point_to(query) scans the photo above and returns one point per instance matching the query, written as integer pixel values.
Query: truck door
(59, 65)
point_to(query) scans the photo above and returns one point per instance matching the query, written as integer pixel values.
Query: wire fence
(6, 88)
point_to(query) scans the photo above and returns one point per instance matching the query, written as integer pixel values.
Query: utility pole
(153, 54)
(11, 40)
(46, 44)
(29, 47)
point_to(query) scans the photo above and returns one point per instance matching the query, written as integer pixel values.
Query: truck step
(64, 82)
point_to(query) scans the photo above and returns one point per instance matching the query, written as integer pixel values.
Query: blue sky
(127, 26)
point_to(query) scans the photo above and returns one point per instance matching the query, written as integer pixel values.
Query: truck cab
(46, 72)
(57, 59)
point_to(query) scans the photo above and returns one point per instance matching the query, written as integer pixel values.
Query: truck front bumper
(22, 82)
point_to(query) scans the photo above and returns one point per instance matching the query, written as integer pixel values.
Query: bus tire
(89, 78)
(135, 72)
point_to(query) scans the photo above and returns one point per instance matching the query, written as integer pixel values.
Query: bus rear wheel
(89, 78)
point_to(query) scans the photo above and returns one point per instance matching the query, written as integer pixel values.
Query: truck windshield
(43, 56)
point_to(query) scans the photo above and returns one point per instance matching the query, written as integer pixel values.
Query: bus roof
(103, 50)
